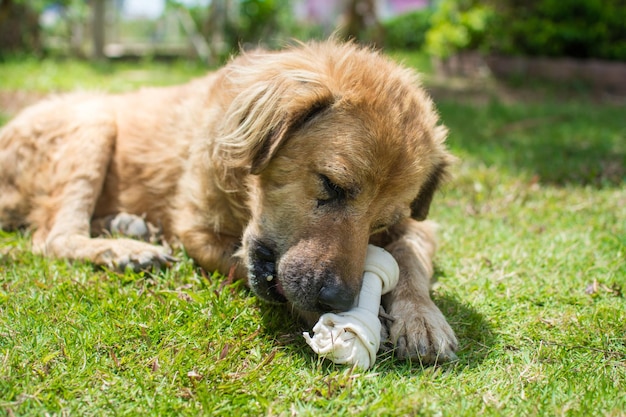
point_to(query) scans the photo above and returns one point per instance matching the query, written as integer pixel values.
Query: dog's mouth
(263, 276)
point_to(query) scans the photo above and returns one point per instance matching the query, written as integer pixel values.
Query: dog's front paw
(421, 332)
(138, 256)
(144, 261)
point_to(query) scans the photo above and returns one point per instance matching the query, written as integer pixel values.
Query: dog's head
(339, 143)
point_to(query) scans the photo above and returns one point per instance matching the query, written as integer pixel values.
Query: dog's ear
(421, 205)
(298, 114)
(266, 111)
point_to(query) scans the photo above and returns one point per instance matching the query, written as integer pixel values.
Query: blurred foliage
(270, 23)
(21, 31)
(552, 28)
(35, 5)
(245, 21)
(408, 31)
(457, 25)
(249, 23)
(574, 28)
(260, 19)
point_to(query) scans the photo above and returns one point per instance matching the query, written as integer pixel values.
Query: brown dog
(282, 165)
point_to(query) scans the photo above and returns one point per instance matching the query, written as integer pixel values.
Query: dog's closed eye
(332, 192)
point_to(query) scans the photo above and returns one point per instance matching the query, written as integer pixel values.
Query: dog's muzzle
(307, 286)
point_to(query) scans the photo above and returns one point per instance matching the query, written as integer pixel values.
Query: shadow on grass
(574, 142)
(472, 330)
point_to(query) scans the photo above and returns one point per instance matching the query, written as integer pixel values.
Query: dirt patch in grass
(484, 90)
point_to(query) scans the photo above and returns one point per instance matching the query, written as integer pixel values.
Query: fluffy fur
(281, 167)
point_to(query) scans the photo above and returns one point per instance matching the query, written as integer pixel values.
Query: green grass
(531, 273)
(52, 75)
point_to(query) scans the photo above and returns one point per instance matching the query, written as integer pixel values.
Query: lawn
(531, 274)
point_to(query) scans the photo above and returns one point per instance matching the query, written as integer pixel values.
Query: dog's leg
(418, 328)
(76, 172)
(207, 226)
(214, 251)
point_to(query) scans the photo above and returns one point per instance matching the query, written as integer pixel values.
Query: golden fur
(281, 166)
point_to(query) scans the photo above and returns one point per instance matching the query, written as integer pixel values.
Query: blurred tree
(19, 26)
(21, 29)
(230, 24)
(362, 23)
(218, 23)
(98, 12)
(260, 20)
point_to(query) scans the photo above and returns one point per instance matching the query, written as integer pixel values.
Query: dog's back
(13, 205)
(129, 142)
(73, 158)
(27, 145)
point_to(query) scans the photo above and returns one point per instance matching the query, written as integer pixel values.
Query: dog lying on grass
(280, 167)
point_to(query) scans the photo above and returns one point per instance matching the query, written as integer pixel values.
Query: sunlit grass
(51, 75)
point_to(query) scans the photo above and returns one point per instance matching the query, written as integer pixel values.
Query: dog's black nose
(335, 298)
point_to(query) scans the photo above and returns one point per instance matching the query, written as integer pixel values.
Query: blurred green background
(213, 29)
(531, 269)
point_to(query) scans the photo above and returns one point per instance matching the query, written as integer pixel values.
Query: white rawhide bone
(353, 337)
